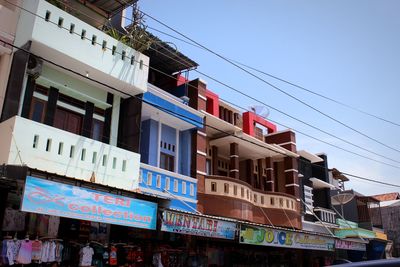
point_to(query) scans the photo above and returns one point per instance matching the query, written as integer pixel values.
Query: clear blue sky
(347, 50)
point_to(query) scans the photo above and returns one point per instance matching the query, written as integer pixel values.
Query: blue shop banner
(52, 198)
(176, 222)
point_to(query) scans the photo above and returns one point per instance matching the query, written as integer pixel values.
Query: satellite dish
(261, 111)
(341, 199)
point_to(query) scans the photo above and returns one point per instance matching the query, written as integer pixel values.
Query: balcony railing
(58, 36)
(45, 148)
(180, 189)
(228, 187)
(325, 215)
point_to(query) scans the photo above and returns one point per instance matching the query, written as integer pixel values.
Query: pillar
(234, 161)
(214, 160)
(291, 177)
(270, 181)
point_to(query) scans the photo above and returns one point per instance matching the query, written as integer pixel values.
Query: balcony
(48, 149)
(72, 43)
(181, 190)
(326, 216)
(238, 199)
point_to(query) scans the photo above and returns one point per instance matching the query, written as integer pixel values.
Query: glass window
(97, 130)
(208, 167)
(167, 162)
(37, 110)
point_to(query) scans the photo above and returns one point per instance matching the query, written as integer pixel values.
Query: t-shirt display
(86, 255)
(25, 252)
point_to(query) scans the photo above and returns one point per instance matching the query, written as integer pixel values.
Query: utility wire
(272, 85)
(283, 80)
(188, 118)
(239, 91)
(169, 111)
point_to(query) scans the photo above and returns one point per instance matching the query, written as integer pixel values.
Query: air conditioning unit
(35, 66)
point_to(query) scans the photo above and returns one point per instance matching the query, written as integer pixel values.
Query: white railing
(325, 215)
(42, 147)
(58, 36)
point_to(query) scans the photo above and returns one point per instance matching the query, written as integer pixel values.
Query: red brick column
(270, 186)
(234, 161)
(291, 177)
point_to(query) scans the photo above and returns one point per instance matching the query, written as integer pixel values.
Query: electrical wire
(272, 85)
(239, 91)
(284, 80)
(188, 118)
(115, 89)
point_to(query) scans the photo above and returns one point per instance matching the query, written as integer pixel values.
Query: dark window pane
(37, 112)
(97, 132)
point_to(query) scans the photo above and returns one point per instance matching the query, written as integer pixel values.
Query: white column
(177, 150)
(115, 120)
(158, 143)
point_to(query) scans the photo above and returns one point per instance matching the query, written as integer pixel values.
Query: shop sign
(176, 222)
(357, 232)
(349, 245)
(280, 238)
(346, 224)
(381, 235)
(52, 198)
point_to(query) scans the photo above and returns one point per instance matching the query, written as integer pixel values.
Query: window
(242, 191)
(167, 183)
(158, 181)
(38, 109)
(235, 190)
(149, 178)
(167, 162)
(192, 189)
(175, 185)
(97, 130)
(183, 187)
(208, 167)
(213, 187)
(226, 188)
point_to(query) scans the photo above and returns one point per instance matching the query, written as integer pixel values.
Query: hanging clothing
(36, 250)
(113, 256)
(25, 252)
(3, 256)
(11, 251)
(86, 255)
(58, 252)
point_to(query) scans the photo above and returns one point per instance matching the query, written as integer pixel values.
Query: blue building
(168, 127)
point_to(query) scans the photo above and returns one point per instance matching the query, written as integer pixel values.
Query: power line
(168, 111)
(273, 86)
(280, 111)
(284, 80)
(188, 118)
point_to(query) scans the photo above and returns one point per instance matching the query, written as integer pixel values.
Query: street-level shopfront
(352, 249)
(55, 223)
(297, 248)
